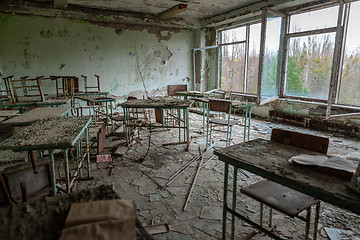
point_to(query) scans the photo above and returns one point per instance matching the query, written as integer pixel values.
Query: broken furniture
(269, 159)
(96, 105)
(62, 133)
(171, 90)
(284, 199)
(45, 218)
(22, 182)
(226, 106)
(160, 103)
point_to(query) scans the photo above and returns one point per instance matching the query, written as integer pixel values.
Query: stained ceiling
(199, 13)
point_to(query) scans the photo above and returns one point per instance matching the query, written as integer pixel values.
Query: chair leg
(308, 219)
(317, 214)
(261, 213)
(210, 134)
(270, 217)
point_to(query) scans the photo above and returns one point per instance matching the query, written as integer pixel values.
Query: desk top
(157, 102)
(95, 98)
(199, 94)
(270, 160)
(51, 133)
(8, 113)
(36, 114)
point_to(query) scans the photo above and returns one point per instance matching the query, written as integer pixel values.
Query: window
(310, 50)
(240, 58)
(350, 77)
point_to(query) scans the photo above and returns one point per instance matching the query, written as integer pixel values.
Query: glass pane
(309, 66)
(323, 18)
(253, 61)
(232, 68)
(233, 35)
(350, 81)
(270, 68)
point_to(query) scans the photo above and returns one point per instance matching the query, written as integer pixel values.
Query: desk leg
(53, 177)
(107, 118)
(88, 151)
(207, 126)
(179, 125)
(234, 203)
(245, 123)
(67, 170)
(226, 175)
(187, 128)
(249, 123)
(204, 112)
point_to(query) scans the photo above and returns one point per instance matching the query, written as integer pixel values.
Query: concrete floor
(141, 181)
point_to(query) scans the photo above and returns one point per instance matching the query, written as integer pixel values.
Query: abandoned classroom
(179, 119)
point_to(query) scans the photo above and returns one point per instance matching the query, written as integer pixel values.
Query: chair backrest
(301, 140)
(172, 89)
(219, 105)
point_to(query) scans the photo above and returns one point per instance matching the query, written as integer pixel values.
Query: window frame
(340, 31)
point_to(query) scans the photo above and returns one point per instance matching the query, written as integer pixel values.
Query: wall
(128, 61)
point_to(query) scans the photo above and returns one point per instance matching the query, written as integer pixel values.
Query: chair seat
(223, 121)
(279, 197)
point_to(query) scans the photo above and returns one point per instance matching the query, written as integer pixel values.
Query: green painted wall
(33, 46)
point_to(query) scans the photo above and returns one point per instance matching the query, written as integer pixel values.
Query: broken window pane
(350, 81)
(253, 61)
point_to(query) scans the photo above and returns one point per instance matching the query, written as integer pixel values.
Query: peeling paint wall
(128, 61)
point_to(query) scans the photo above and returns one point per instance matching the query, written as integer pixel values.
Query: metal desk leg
(88, 151)
(187, 128)
(234, 203)
(179, 125)
(245, 123)
(207, 126)
(226, 175)
(67, 171)
(52, 167)
(204, 112)
(249, 123)
(107, 118)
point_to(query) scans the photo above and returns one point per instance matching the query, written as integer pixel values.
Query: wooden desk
(54, 133)
(270, 160)
(35, 115)
(161, 103)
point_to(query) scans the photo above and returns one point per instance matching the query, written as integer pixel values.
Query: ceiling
(199, 13)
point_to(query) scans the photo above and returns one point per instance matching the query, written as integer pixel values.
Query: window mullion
(335, 64)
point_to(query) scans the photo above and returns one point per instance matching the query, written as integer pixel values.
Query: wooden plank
(301, 140)
(101, 139)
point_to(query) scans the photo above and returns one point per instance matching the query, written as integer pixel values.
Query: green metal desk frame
(183, 116)
(246, 114)
(75, 142)
(92, 103)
